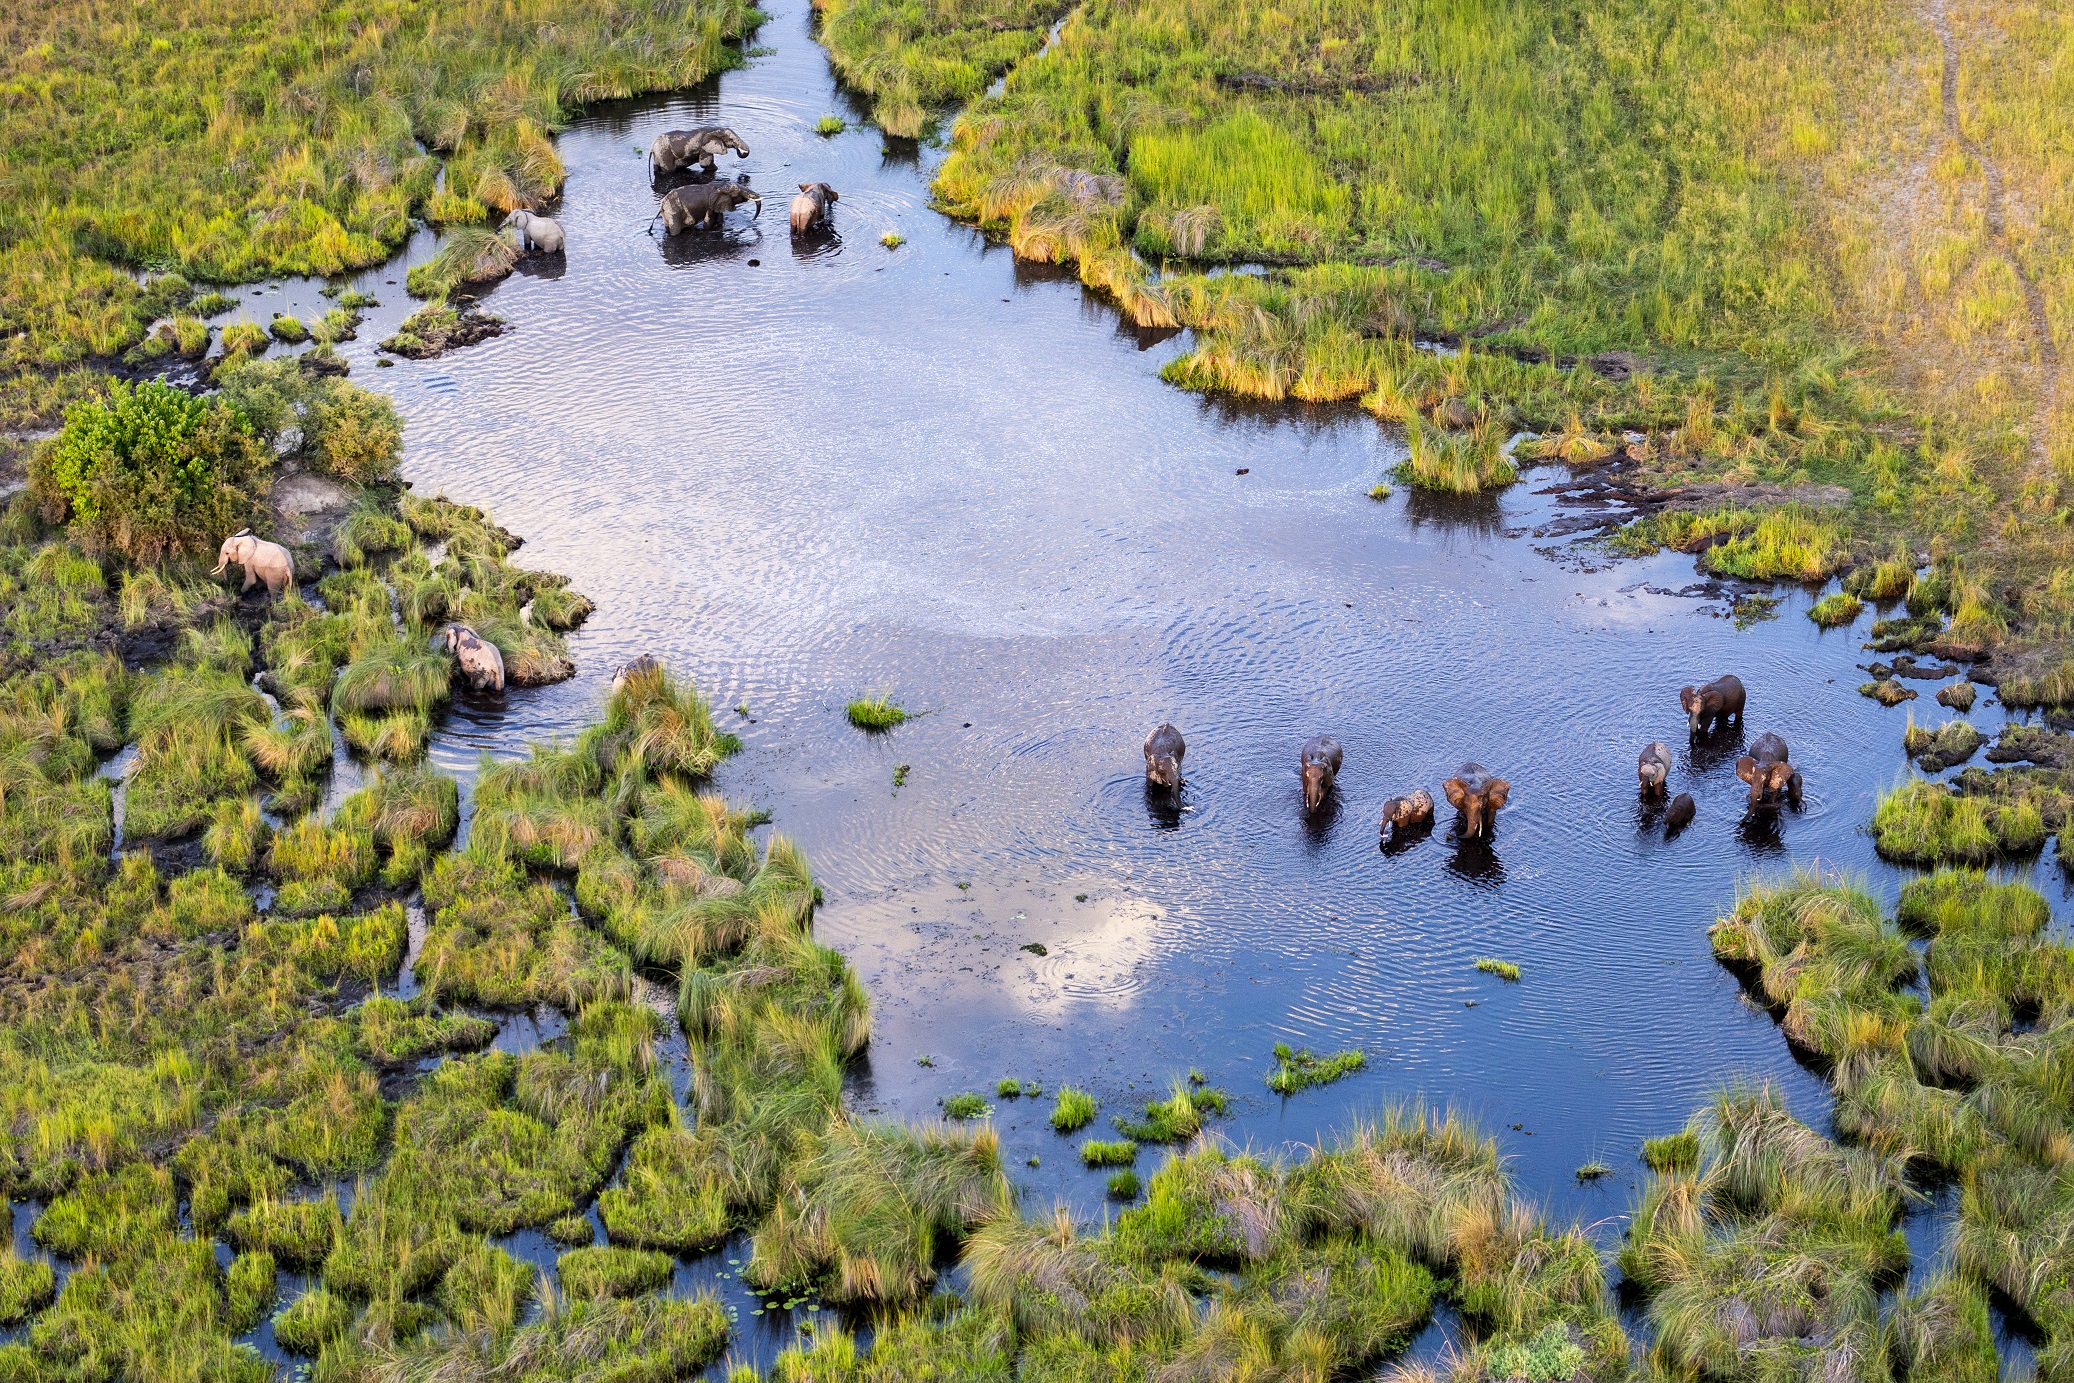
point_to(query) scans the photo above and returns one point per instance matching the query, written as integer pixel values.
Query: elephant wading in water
(1408, 814)
(1714, 705)
(1477, 795)
(481, 664)
(676, 150)
(262, 561)
(1319, 764)
(1765, 769)
(810, 207)
(1653, 767)
(702, 208)
(1164, 749)
(536, 232)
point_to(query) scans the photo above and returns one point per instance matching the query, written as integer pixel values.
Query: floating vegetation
(829, 126)
(966, 1106)
(1177, 1118)
(1503, 969)
(876, 712)
(1073, 1110)
(1298, 1070)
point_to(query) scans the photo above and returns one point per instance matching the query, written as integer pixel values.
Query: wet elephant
(675, 150)
(702, 208)
(1680, 815)
(1653, 767)
(1711, 707)
(1408, 813)
(1477, 795)
(1318, 763)
(536, 232)
(810, 207)
(1164, 749)
(481, 664)
(1766, 770)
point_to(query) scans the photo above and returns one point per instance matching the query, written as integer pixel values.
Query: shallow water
(803, 471)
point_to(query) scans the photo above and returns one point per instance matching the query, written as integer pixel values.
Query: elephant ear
(833, 195)
(806, 187)
(1494, 794)
(1457, 792)
(1746, 769)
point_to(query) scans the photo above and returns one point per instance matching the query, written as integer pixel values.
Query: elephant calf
(1408, 813)
(1319, 764)
(536, 232)
(810, 207)
(1767, 772)
(1653, 767)
(1477, 795)
(702, 208)
(1680, 815)
(1714, 705)
(1164, 748)
(481, 664)
(262, 561)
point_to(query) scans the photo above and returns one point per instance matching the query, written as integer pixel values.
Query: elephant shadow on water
(1760, 830)
(1317, 825)
(1712, 749)
(542, 266)
(694, 248)
(1164, 807)
(823, 242)
(1475, 859)
(1404, 838)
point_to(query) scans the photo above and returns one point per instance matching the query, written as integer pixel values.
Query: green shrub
(152, 472)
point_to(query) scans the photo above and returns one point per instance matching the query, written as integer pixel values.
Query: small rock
(1958, 696)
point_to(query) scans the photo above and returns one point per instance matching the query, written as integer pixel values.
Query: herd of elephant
(699, 206)
(1477, 795)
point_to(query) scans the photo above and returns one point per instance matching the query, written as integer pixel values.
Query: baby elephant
(1319, 763)
(1477, 795)
(536, 232)
(1765, 769)
(1653, 767)
(1408, 813)
(1680, 814)
(810, 207)
(1163, 750)
(1715, 704)
(481, 664)
(702, 208)
(262, 561)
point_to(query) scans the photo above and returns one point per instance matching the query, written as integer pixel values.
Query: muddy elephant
(482, 666)
(1318, 763)
(1715, 704)
(536, 232)
(1653, 767)
(1164, 749)
(262, 561)
(702, 208)
(1408, 813)
(1767, 772)
(675, 150)
(1477, 795)
(647, 665)
(1680, 814)
(810, 207)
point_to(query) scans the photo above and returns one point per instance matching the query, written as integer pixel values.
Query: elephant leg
(251, 577)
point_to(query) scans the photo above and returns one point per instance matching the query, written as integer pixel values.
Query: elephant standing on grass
(481, 664)
(536, 232)
(702, 208)
(675, 150)
(262, 561)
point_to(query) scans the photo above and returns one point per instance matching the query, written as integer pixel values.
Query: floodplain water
(803, 470)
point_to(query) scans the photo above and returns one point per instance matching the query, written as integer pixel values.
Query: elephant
(1319, 763)
(702, 208)
(674, 150)
(1715, 704)
(262, 561)
(481, 664)
(1477, 795)
(1653, 767)
(810, 207)
(1164, 749)
(1767, 772)
(1408, 813)
(536, 232)
(647, 665)
(1680, 814)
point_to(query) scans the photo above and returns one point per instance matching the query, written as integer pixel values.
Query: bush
(152, 472)
(331, 424)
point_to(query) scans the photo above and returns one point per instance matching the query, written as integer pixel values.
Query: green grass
(1673, 1152)
(1009, 1088)
(1457, 463)
(1095, 1152)
(1123, 1185)
(966, 1106)
(1837, 608)
(892, 240)
(829, 126)
(1503, 969)
(612, 1272)
(1177, 1118)
(876, 712)
(1073, 1110)
(1299, 1070)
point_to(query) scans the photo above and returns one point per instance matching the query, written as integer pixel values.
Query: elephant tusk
(759, 209)
(219, 569)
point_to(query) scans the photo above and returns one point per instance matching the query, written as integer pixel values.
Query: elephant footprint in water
(262, 561)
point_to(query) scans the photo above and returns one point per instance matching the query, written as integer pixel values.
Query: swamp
(784, 970)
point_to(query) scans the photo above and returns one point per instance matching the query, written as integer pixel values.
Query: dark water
(799, 472)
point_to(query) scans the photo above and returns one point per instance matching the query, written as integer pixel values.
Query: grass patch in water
(829, 126)
(1673, 1152)
(877, 712)
(613, 1272)
(1458, 463)
(1300, 1069)
(966, 1106)
(1177, 1118)
(1096, 1152)
(1123, 1185)
(1503, 969)
(1009, 1088)
(1073, 1110)
(1834, 609)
